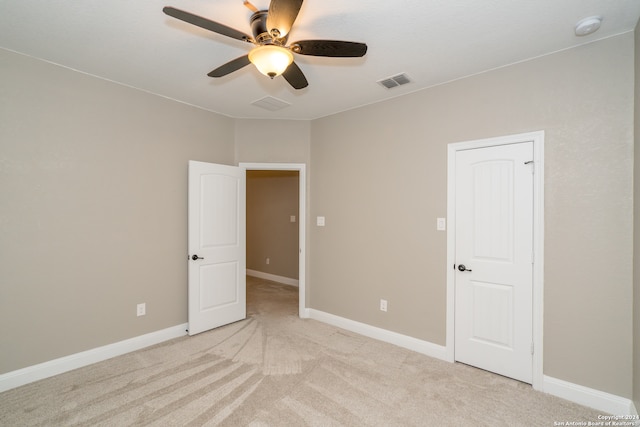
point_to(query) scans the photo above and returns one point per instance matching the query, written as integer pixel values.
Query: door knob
(195, 257)
(461, 267)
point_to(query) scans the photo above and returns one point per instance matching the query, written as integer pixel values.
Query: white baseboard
(419, 346)
(273, 278)
(48, 369)
(596, 399)
(304, 313)
(599, 400)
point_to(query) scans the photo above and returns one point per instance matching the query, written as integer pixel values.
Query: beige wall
(93, 210)
(272, 198)
(636, 229)
(379, 177)
(278, 141)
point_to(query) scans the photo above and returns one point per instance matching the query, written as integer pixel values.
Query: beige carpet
(274, 369)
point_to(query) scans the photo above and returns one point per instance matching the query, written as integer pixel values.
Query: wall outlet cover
(141, 309)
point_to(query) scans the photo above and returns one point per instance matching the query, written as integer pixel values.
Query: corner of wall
(636, 225)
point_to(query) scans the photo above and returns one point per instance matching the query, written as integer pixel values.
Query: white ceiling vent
(270, 103)
(395, 81)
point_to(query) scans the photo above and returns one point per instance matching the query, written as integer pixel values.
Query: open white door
(217, 281)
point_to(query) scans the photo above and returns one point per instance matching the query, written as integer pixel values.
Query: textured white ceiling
(433, 41)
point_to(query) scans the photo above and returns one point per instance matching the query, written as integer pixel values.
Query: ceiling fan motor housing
(261, 33)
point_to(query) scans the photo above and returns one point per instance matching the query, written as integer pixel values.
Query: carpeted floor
(274, 369)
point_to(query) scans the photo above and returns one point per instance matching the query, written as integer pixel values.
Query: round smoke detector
(587, 26)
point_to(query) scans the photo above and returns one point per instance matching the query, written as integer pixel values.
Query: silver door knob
(462, 267)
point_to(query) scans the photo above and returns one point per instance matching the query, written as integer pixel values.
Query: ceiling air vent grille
(395, 81)
(270, 103)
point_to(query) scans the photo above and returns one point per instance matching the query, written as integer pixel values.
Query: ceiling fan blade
(333, 48)
(230, 66)
(282, 14)
(207, 24)
(294, 75)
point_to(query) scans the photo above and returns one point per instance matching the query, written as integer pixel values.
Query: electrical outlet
(141, 309)
(267, 261)
(383, 305)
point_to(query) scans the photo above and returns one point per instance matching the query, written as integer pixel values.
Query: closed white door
(217, 266)
(493, 259)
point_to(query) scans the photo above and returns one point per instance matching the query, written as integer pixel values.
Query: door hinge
(532, 349)
(533, 165)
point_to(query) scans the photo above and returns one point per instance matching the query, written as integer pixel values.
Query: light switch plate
(320, 221)
(441, 224)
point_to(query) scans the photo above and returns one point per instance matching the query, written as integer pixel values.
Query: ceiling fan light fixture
(271, 60)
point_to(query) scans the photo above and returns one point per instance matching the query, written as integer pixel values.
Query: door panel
(494, 240)
(219, 207)
(217, 292)
(493, 210)
(492, 308)
(218, 285)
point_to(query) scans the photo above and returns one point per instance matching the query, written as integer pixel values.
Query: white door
(217, 266)
(493, 259)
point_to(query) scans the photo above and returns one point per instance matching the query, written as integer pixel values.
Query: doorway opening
(261, 263)
(272, 225)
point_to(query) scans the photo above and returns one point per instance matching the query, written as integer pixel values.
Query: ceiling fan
(271, 54)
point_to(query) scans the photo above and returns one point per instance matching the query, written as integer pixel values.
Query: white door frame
(538, 240)
(303, 312)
